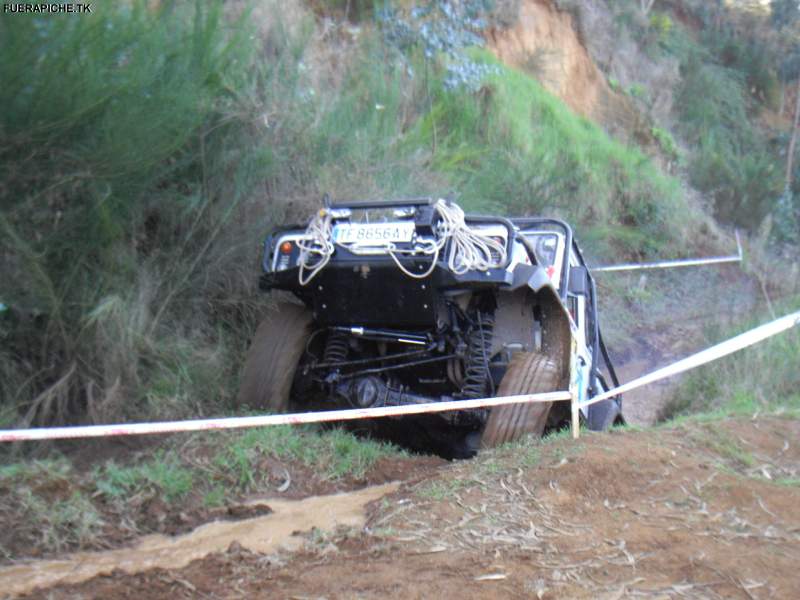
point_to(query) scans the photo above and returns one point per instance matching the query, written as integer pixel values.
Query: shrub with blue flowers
(442, 30)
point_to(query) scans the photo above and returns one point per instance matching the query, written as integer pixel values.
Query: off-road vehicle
(412, 301)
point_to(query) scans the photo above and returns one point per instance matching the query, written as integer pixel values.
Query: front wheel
(273, 357)
(528, 373)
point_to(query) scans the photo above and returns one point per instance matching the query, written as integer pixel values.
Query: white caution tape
(748, 338)
(92, 431)
(669, 264)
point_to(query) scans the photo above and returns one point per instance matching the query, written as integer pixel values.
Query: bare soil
(545, 38)
(545, 43)
(700, 510)
(147, 512)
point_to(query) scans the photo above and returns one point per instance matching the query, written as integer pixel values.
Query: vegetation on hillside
(761, 379)
(513, 148)
(129, 151)
(147, 149)
(145, 152)
(712, 74)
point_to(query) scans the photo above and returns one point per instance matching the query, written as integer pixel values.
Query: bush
(750, 55)
(131, 139)
(787, 218)
(666, 142)
(661, 24)
(137, 182)
(731, 161)
(761, 378)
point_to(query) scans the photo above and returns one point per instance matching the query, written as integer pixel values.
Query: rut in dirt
(265, 534)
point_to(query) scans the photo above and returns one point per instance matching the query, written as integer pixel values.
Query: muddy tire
(272, 359)
(528, 373)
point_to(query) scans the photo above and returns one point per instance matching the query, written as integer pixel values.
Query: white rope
(316, 243)
(91, 431)
(436, 248)
(470, 250)
(392, 250)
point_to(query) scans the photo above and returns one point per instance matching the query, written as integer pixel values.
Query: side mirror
(578, 281)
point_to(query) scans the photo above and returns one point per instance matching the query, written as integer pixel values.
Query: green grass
(763, 378)
(666, 142)
(236, 463)
(514, 148)
(789, 482)
(164, 475)
(59, 507)
(61, 523)
(49, 509)
(724, 445)
(333, 454)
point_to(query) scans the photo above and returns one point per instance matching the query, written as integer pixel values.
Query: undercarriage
(358, 367)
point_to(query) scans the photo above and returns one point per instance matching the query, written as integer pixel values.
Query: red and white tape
(92, 431)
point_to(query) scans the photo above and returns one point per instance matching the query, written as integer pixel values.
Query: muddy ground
(699, 510)
(147, 511)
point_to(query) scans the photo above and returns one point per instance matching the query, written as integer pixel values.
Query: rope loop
(316, 248)
(469, 249)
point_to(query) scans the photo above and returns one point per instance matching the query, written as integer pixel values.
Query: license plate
(373, 233)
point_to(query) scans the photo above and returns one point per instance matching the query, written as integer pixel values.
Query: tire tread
(272, 359)
(528, 373)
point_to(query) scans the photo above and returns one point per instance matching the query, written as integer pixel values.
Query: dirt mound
(544, 42)
(704, 510)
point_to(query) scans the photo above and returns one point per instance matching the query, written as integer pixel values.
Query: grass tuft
(58, 507)
(763, 378)
(514, 148)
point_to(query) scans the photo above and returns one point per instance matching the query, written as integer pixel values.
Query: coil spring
(476, 369)
(336, 348)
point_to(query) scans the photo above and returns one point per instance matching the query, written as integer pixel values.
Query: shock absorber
(336, 348)
(477, 379)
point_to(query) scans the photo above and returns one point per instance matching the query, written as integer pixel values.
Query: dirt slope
(545, 43)
(704, 510)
